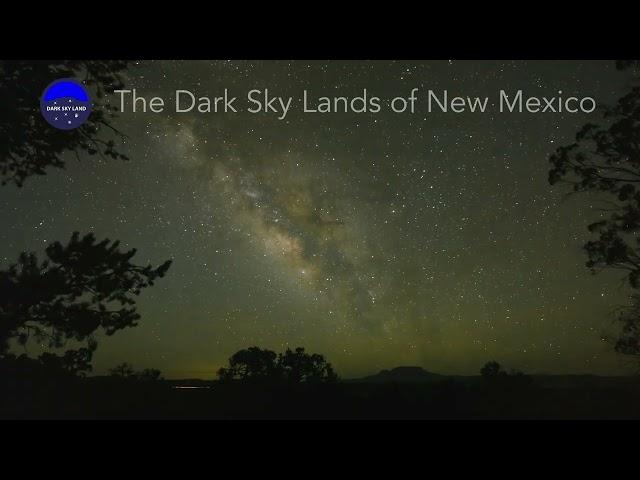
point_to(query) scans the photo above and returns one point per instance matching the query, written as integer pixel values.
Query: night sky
(378, 240)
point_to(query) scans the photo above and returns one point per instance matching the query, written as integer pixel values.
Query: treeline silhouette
(126, 371)
(294, 366)
(296, 384)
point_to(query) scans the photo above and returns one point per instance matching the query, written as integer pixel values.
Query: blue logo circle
(65, 104)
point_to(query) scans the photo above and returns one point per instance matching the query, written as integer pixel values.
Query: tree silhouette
(491, 369)
(82, 288)
(493, 374)
(250, 364)
(123, 370)
(85, 287)
(298, 366)
(628, 342)
(256, 364)
(605, 159)
(28, 144)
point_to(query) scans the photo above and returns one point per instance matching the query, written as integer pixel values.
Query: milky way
(376, 239)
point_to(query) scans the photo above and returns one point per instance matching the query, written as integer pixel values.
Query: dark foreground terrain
(448, 398)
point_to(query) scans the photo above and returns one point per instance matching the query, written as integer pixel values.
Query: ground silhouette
(495, 394)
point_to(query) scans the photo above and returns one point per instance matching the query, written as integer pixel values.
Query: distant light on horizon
(184, 387)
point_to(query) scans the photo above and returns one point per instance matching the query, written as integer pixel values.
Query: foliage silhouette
(255, 364)
(252, 363)
(628, 342)
(82, 288)
(298, 366)
(605, 159)
(125, 370)
(46, 368)
(28, 144)
(491, 369)
(493, 374)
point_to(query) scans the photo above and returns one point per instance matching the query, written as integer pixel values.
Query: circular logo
(65, 104)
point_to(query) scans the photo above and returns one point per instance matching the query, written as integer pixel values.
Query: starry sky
(378, 240)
